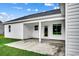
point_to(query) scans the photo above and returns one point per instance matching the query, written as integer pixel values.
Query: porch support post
(22, 33)
(39, 32)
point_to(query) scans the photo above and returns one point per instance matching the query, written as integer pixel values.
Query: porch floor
(49, 47)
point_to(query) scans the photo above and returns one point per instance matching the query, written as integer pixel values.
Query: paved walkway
(33, 45)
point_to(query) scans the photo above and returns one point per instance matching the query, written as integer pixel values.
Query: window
(46, 31)
(57, 29)
(36, 27)
(9, 28)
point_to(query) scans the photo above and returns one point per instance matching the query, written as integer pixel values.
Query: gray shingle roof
(56, 11)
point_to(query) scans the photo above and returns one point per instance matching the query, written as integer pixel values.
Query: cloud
(19, 8)
(1, 17)
(36, 9)
(26, 3)
(48, 4)
(5, 16)
(28, 9)
(56, 7)
(32, 9)
(3, 13)
(44, 11)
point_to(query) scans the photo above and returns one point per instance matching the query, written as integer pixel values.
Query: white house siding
(16, 31)
(72, 29)
(35, 33)
(50, 30)
(27, 31)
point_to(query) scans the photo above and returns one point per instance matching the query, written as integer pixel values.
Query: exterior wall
(1, 28)
(34, 34)
(72, 29)
(27, 31)
(16, 31)
(50, 30)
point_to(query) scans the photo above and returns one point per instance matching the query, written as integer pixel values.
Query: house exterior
(1, 28)
(60, 24)
(44, 25)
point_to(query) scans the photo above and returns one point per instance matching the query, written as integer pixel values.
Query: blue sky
(9, 11)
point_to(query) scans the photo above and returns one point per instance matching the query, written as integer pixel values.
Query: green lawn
(6, 40)
(10, 51)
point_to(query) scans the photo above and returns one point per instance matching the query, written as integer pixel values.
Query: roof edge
(50, 12)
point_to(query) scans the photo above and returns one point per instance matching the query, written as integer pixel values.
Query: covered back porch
(44, 30)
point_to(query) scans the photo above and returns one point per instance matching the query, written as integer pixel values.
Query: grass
(10, 51)
(6, 40)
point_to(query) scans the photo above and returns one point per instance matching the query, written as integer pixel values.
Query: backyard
(10, 51)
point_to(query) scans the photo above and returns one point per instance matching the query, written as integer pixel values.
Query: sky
(10, 11)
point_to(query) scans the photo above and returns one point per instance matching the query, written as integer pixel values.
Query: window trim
(58, 33)
(9, 28)
(36, 27)
(46, 31)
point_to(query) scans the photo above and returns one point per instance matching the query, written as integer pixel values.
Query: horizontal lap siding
(16, 31)
(73, 29)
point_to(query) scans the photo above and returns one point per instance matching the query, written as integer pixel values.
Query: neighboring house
(1, 28)
(44, 25)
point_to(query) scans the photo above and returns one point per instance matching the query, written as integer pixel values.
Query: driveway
(47, 47)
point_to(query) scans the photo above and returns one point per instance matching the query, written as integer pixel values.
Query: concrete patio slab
(35, 46)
